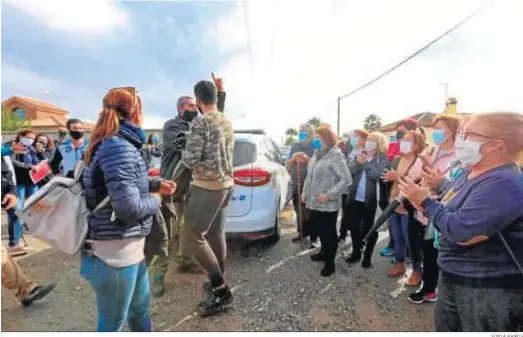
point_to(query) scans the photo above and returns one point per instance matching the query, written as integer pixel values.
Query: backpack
(58, 214)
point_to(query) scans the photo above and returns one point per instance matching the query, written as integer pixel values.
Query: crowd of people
(455, 213)
(455, 210)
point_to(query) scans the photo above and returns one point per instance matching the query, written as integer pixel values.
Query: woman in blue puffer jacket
(113, 256)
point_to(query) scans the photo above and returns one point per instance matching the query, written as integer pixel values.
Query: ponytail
(107, 126)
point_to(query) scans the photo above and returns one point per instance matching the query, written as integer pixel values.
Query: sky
(282, 61)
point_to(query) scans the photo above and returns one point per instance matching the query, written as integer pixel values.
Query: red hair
(118, 103)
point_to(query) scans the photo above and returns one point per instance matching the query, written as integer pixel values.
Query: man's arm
(221, 101)
(192, 155)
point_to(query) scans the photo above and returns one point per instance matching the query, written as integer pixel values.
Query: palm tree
(10, 122)
(291, 132)
(372, 122)
(314, 121)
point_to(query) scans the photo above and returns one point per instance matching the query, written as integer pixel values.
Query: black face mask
(190, 115)
(76, 134)
(399, 135)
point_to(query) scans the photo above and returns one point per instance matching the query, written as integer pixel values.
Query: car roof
(248, 137)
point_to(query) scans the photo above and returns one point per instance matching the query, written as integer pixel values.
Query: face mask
(76, 134)
(405, 147)
(438, 136)
(468, 152)
(345, 139)
(354, 141)
(190, 115)
(370, 146)
(156, 139)
(316, 143)
(27, 141)
(302, 136)
(399, 135)
(392, 139)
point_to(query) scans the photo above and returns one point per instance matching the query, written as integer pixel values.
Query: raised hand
(218, 82)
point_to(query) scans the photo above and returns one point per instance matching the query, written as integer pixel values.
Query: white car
(261, 187)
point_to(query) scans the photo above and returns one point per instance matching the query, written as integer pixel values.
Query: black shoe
(353, 258)
(422, 296)
(328, 270)
(366, 263)
(216, 301)
(318, 257)
(37, 294)
(297, 239)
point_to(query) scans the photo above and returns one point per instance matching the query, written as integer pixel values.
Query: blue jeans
(399, 227)
(121, 294)
(14, 224)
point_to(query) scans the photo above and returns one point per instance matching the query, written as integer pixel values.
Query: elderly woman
(480, 222)
(299, 156)
(327, 178)
(362, 201)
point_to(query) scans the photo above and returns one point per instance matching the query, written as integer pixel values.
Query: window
(244, 153)
(19, 113)
(272, 153)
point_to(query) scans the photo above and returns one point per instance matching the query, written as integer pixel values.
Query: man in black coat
(174, 130)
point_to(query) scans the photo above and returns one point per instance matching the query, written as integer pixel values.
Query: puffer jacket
(117, 169)
(328, 175)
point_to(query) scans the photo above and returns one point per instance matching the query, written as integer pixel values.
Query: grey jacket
(328, 175)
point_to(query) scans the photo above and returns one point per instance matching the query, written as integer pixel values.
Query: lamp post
(338, 125)
(446, 85)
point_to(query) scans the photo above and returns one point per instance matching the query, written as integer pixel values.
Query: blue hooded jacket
(117, 169)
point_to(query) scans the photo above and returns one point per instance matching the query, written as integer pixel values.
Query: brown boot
(414, 280)
(396, 270)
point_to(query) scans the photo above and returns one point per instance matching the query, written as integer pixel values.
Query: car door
(282, 175)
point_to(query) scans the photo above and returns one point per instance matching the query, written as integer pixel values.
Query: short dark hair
(71, 122)
(206, 92)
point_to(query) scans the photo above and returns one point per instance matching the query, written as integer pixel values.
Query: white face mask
(345, 139)
(370, 146)
(468, 151)
(27, 141)
(405, 146)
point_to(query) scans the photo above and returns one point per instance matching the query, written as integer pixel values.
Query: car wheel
(277, 227)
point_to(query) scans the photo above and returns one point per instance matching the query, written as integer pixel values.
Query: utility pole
(339, 107)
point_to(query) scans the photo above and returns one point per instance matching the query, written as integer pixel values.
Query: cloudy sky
(283, 61)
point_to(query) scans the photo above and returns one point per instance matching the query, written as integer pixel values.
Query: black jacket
(8, 183)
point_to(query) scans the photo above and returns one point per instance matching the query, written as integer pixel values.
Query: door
(282, 175)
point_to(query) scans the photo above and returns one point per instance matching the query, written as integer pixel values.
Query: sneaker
(366, 263)
(317, 257)
(328, 270)
(422, 296)
(393, 260)
(316, 244)
(37, 294)
(216, 301)
(414, 280)
(396, 270)
(387, 251)
(158, 285)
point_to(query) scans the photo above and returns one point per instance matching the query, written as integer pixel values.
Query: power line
(417, 52)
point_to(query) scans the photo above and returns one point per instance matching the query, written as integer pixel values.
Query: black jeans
(416, 238)
(430, 266)
(324, 223)
(360, 222)
(344, 226)
(306, 215)
(479, 305)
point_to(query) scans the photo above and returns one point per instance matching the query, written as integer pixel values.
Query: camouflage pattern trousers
(159, 263)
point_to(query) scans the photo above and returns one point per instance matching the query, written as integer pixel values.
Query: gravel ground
(276, 288)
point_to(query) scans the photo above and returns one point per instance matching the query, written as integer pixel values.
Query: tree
(314, 121)
(372, 122)
(291, 132)
(290, 141)
(10, 122)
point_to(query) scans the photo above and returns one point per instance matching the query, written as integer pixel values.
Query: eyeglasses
(462, 134)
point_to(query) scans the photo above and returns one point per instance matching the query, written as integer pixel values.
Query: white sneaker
(316, 244)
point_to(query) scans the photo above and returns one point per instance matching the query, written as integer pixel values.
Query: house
(425, 119)
(44, 116)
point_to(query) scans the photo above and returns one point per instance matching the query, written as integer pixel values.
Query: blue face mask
(438, 136)
(302, 136)
(354, 141)
(156, 139)
(316, 143)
